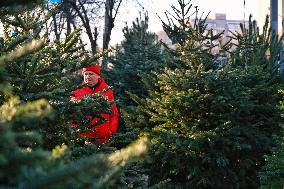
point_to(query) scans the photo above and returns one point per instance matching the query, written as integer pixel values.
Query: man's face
(91, 78)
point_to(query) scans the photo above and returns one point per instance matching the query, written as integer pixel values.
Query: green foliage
(272, 173)
(139, 54)
(19, 137)
(194, 43)
(212, 132)
(9, 3)
(210, 124)
(251, 47)
(27, 166)
(17, 6)
(93, 172)
(91, 105)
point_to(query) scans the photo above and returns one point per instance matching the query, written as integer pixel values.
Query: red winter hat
(94, 68)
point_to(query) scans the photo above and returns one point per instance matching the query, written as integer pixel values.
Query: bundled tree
(211, 124)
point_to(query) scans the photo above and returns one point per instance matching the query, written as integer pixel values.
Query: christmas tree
(211, 124)
(138, 57)
(138, 54)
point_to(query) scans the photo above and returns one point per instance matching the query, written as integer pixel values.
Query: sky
(234, 10)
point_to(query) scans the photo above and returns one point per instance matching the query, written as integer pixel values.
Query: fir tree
(211, 124)
(139, 54)
(191, 37)
(138, 57)
(251, 47)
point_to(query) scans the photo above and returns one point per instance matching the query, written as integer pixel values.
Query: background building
(219, 23)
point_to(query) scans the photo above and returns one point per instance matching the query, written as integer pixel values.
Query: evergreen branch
(22, 23)
(187, 10)
(28, 138)
(31, 47)
(60, 175)
(29, 76)
(173, 15)
(71, 37)
(15, 42)
(122, 157)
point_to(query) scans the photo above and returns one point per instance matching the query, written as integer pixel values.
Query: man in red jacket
(95, 83)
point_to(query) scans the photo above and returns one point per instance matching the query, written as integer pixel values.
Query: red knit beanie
(94, 68)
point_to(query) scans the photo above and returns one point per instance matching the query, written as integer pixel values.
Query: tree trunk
(109, 24)
(67, 11)
(88, 29)
(55, 28)
(107, 32)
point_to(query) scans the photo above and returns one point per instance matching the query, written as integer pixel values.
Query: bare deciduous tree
(88, 15)
(82, 13)
(111, 10)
